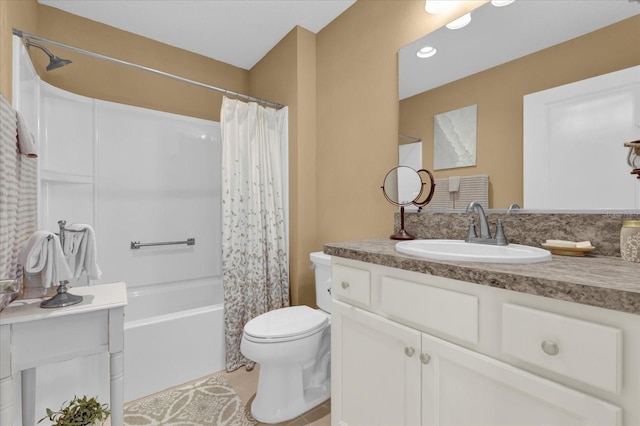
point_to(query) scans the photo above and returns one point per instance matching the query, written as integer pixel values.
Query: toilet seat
(285, 324)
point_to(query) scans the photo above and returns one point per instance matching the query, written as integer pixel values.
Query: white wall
(158, 179)
(574, 139)
(135, 175)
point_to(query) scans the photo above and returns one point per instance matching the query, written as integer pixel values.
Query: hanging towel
(470, 188)
(80, 250)
(18, 193)
(26, 142)
(42, 253)
(441, 199)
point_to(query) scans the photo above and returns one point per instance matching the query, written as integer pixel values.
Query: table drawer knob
(409, 351)
(549, 347)
(344, 285)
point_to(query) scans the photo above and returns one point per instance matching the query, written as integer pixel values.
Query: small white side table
(31, 336)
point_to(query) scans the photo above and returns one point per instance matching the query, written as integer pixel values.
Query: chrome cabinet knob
(425, 358)
(344, 285)
(409, 351)
(550, 348)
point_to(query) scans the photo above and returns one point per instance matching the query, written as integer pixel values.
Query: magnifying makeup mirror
(404, 186)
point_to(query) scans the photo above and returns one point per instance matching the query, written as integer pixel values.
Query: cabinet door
(375, 370)
(461, 387)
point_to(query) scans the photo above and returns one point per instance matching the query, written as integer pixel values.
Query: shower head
(54, 61)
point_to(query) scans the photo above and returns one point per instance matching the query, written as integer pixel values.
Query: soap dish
(568, 251)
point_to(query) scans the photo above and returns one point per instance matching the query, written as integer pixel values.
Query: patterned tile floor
(245, 384)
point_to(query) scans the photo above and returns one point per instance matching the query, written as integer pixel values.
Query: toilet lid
(286, 323)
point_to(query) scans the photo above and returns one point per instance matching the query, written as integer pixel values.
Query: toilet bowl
(292, 346)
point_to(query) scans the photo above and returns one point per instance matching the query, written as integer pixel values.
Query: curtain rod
(28, 36)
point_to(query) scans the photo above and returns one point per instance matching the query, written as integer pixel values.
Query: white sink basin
(459, 250)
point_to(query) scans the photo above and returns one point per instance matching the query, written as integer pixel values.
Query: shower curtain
(254, 229)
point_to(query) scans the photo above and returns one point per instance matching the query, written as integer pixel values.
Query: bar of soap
(561, 243)
(570, 244)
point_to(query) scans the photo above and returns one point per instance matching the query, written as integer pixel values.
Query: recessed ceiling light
(500, 3)
(426, 52)
(460, 22)
(438, 6)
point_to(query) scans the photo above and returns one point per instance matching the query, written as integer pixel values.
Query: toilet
(292, 346)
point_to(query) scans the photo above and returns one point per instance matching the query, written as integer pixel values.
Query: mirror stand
(404, 186)
(402, 234)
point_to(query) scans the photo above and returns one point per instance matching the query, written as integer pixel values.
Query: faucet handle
(471, 233)
(501, 239)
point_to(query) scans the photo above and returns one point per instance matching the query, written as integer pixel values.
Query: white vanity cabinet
(421, 349)
(378, 368)
(463, 387)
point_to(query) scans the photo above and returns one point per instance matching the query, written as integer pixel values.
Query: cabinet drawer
(55, 339)
(578, 349)
(351, 284)
(432, 309)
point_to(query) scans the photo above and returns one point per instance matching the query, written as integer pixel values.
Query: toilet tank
(322, 267)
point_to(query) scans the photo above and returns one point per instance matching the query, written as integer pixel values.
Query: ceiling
(237, 32)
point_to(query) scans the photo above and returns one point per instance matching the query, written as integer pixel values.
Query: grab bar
(137, 244)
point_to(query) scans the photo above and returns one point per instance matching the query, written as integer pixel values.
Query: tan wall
(113, 82)
(287, 74)
(358, 113)
(13, 14)
(498, 93)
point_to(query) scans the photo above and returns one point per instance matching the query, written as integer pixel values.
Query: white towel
(42, 253)
(80, 250)
(26, 141)
(471, 188)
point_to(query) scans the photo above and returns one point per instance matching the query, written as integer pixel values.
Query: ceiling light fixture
(438, 6)
(426, 52)
(500, 3)
(460, 22)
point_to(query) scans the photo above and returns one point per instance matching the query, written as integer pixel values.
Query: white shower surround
(135, 175)
(173, 334)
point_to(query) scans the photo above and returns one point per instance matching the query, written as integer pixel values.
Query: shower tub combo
(135, 171)
(173, 334)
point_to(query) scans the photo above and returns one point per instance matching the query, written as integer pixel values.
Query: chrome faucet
(485, 233)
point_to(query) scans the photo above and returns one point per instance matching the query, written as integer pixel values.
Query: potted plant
(79, 412)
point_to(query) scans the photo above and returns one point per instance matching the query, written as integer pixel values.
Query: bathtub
(173, 333)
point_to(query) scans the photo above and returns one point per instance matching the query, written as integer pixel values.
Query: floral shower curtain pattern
(254, 230)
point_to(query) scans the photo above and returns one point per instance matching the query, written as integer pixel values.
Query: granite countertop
(603, 281)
